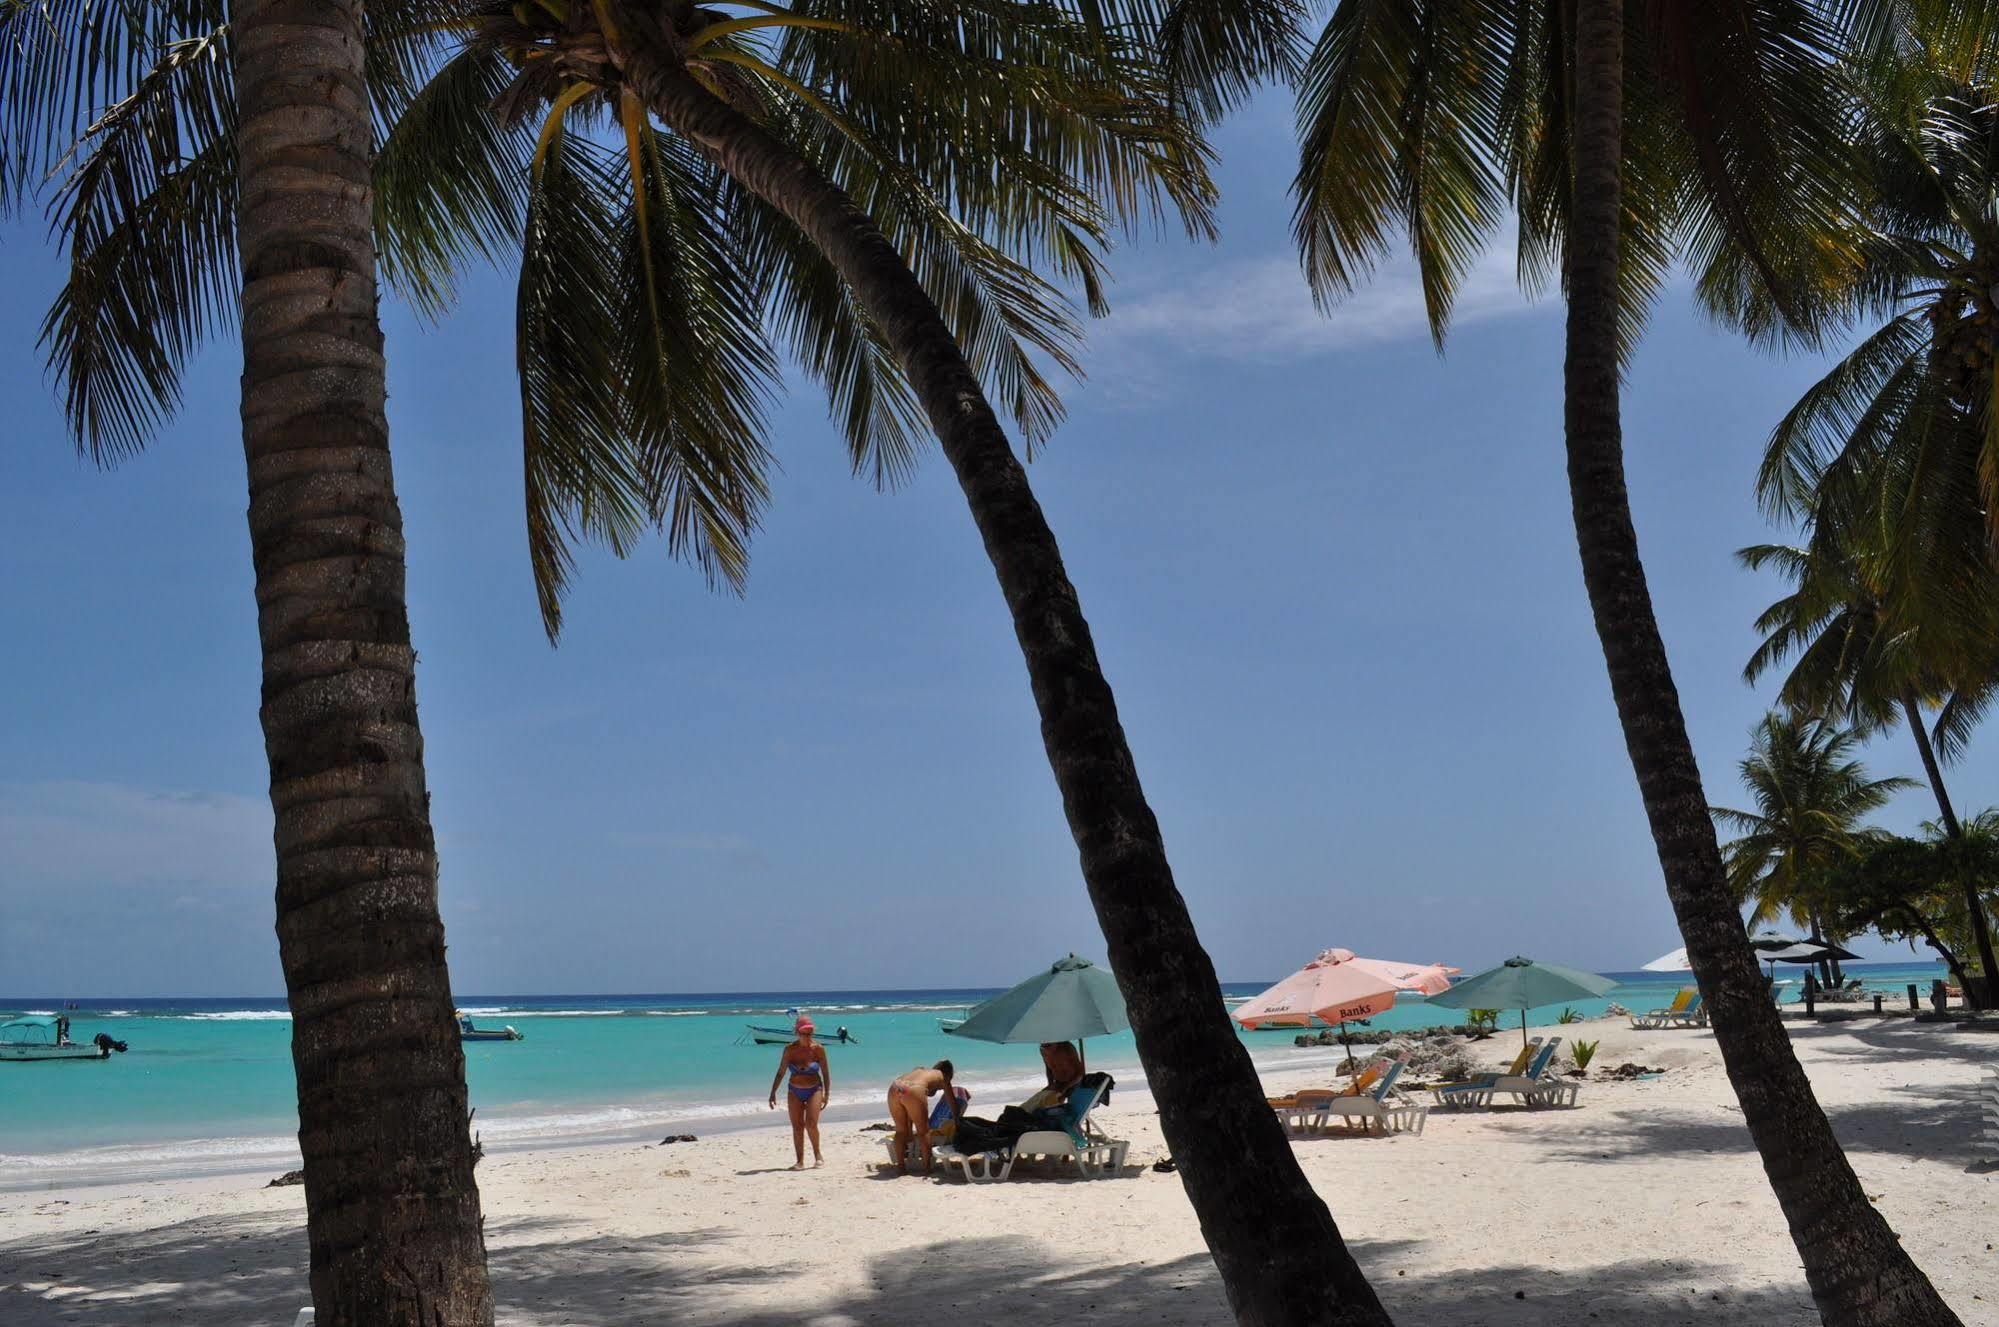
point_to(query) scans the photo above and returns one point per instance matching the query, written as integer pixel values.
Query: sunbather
(1064, 1065)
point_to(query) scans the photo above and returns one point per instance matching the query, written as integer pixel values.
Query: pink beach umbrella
(1336, 986)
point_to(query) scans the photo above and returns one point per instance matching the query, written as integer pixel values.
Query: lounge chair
(1519, 1066)
(1537, 1082)
(1684, 1003)
(1302, 1111)
(1540, 1085)
(1094, 1153)
(1382, 1104)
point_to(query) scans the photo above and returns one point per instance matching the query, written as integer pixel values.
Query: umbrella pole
(1353, 1070)
(1523, 1028)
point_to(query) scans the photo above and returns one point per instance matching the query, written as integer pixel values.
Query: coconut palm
(684, 185)
(392, 1209)
(1810, 798)
(1858, 651)
(1703, 131)
(1891, 461)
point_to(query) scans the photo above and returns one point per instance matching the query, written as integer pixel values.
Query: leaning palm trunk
(1858, 1273)
(1280, 1256)
(1953, 829)
(392, 1212)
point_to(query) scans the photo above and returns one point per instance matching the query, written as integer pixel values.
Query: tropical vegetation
(913, 201)
(1916, 889)
(1621, 144)
(1890, 463)
(687, 190)
(1810, 798)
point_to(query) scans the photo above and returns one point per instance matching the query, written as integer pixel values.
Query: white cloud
(1259, 309)
(62, 835)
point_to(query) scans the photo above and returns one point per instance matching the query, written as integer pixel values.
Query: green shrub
(1582, 1052)
(1482, 1022)
(1569, 1015)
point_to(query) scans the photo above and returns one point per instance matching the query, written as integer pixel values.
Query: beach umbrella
(1673, 962)
(1764, 941)
(1072, 1000)
(1523, 984)
(1337, 986)
(1809, 951)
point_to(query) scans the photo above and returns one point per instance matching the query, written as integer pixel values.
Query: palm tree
(1705, 130)
(392, 1208)
(1857, 651)
(1810, 799)
(1891, 460)
(683, 183)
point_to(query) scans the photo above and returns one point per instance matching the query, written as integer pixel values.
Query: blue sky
(1331, 576)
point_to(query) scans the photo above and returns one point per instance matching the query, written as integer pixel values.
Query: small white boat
(468, 1032)
(48, 1039)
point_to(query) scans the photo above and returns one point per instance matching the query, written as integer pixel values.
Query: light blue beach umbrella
(1523, 984)
(1072, 1000)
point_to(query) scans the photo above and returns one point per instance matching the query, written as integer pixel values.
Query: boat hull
(497, 1034)
(27, 1053)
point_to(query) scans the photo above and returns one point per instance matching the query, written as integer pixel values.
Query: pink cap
(802, 1025)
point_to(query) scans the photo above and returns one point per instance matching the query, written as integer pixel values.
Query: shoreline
(170, 1160)
(1644, 1205)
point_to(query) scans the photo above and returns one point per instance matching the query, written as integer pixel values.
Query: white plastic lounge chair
(1693, 1016)
(1539, 1086)
(1538, 1079)
(1469, 1085)
(1687, 1000)
(1095, 1154)
(1382, 1104)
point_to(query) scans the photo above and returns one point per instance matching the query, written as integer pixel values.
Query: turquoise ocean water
(207, 1084)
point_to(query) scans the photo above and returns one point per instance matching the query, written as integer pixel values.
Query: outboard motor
(104, 1043)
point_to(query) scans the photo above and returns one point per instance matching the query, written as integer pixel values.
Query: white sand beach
(1645, 1206)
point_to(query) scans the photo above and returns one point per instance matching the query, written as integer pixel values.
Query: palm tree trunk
(392, 1212)
(1981, 932)
(1281, 1258)
(1858, 1273)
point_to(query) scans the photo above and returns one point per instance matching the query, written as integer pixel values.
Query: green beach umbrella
(1073, 999)
(1523, 984)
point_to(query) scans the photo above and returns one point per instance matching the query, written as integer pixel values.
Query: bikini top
(809, 1069)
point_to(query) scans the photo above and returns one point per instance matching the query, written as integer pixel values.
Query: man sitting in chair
(1065, 1070)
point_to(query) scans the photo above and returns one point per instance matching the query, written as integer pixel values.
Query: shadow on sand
(160, 1277)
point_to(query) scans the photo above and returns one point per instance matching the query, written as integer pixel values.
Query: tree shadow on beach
(1901, 1040)
(245, 1268)
(545, 1277)
(1006, 1279)
(249, 1270)
(1940, 1122)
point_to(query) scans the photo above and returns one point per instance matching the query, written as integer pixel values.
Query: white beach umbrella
(1673, 962)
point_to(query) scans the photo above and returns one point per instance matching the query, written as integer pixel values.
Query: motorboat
(46, 1037)
(770, 1036)
(468, 1032)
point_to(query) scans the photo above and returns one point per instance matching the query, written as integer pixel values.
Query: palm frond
(149, 214)
(449, 180)
(583, 474)
(63, 63)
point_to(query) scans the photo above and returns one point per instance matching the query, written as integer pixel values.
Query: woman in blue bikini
(811, 1079)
